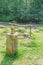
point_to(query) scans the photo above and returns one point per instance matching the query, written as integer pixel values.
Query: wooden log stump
(11, 43)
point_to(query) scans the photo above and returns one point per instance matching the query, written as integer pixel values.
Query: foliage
(21, 9)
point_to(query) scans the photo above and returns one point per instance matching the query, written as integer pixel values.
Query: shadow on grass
(8, 60)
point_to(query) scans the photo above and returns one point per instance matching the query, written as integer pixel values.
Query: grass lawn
(27, 54)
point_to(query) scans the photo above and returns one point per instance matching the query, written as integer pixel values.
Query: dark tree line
(21, 9)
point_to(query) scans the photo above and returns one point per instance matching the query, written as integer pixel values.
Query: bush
(34, 43)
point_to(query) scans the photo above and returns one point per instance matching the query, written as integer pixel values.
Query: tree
(21, 9)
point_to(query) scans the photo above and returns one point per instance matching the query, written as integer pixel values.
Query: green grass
(27, 54)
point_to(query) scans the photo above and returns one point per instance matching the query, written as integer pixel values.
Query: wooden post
(11, 42)
(30, 29)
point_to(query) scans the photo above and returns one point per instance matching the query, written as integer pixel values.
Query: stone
(11, 43)
(25, 35)
(22, 29)
(39, 62)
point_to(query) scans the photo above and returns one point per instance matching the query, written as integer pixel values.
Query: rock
(22, 29)
(25, 35)
(39, 62)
